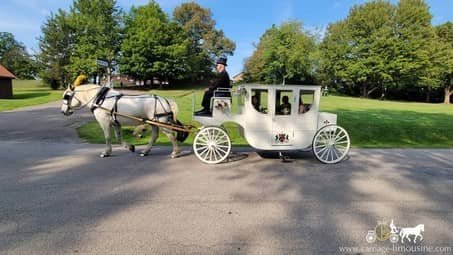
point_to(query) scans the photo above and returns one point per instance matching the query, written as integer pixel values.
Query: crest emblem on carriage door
(282, 138)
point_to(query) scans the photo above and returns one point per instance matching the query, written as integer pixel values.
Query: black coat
(222, 81)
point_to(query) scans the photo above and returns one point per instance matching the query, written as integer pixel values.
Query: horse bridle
(67, 100)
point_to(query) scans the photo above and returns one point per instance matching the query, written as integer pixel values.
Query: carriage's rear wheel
(212, 145)
(331, 144)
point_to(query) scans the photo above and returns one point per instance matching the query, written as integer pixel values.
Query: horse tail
(181, 136)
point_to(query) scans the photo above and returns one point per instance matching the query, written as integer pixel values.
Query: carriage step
(285, 159)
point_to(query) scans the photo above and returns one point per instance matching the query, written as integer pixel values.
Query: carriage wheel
(331, 144)
(212, 145)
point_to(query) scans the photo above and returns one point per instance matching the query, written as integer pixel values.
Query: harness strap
(100, 97)
(115, 109)
(166, 113)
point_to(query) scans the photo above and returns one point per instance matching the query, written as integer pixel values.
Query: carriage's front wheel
(212, 145)
(331, 144)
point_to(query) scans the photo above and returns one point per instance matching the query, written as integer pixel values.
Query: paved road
(58, 197)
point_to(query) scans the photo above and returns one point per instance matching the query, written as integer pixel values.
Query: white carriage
(272, 118)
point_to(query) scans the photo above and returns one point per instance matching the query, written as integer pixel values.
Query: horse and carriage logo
(384, 231)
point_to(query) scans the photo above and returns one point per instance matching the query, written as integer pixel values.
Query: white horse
(416, 232)
(144, 107)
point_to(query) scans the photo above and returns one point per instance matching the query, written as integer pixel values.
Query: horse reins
(68, 99)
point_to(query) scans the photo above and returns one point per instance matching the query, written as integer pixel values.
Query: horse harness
(101, 96)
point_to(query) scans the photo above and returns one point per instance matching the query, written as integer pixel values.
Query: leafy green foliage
(97, 34)
(284, 53)
(206, 42)
(14, 56)
(445, 35)
(357, 51)
(153, 46)
(381, 45)
(55, 46)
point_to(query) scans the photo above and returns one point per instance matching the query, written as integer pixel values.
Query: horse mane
(85, 87)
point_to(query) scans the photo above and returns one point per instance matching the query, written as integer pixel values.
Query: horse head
(70, 101)
(421, 227)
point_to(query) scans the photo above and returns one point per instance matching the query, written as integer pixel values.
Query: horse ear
(71, 87)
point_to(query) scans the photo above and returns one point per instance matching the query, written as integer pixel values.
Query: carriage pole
(151, 122)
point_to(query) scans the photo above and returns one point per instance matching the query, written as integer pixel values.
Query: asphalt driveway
(58, 197)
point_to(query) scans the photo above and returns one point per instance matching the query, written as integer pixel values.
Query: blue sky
(242, 21)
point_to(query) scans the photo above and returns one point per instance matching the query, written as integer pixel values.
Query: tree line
(380, 49)
(14, 56)
(144, 43)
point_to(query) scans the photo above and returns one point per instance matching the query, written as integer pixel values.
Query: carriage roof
(280, 87)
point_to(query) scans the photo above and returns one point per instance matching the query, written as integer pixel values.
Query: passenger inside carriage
(256, 103)
(302, 108)
(285, 107)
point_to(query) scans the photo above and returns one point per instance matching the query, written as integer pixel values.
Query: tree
(207, 42)
(97, 34)
(56, 47)
(416, 52)
(284, 53)
(14, 56)
(445, 35)
(153, 46)
(358, 51)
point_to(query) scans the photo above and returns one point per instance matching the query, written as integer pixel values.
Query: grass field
(370, 123)
(28, 93)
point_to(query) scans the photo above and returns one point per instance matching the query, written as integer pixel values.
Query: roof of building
(4, 73)
(238, 75)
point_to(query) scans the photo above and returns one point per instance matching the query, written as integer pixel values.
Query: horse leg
(173, 141)
(119, 137)
(139, 131)
(108, 140)
(104, 120)
(418, 235)
(152, 140)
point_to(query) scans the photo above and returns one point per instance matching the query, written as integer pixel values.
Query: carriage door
(282, 118)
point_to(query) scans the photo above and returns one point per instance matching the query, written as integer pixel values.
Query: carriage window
(283, 101)
(306, 98)
(259, 100)
(238, 100)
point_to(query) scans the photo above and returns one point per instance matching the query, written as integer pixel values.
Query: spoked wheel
(331, 144)
(212, 145)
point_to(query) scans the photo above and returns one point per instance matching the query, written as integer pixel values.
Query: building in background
(6, 83)
(238, 77)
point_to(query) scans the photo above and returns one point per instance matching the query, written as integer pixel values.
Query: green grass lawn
(28, 93)
(370, 123)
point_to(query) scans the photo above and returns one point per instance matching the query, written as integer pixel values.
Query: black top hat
(222, 61)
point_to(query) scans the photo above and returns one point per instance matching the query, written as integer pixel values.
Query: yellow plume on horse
(81, 79)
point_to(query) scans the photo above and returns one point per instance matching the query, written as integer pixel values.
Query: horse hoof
(104, 155)
(142, 154)
(174, 155)
(132, 148)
